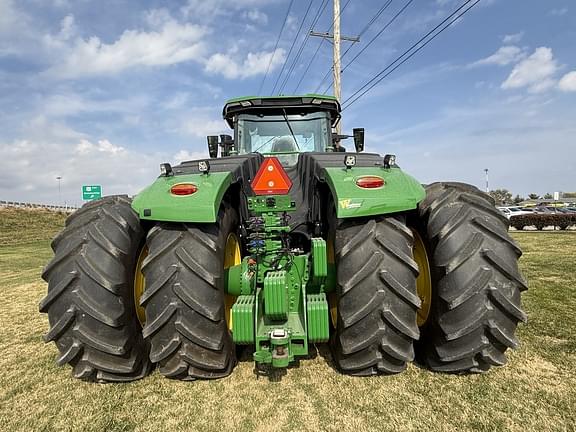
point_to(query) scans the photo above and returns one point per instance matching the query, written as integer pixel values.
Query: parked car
(515, 210)
(557, 209)
(543, 209)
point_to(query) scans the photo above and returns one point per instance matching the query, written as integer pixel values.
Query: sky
(103, 92)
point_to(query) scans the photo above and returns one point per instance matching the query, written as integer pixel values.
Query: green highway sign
(91, 192)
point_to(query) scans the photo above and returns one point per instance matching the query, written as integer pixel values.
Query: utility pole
(336, 54)
(336, 38)
(486, 172)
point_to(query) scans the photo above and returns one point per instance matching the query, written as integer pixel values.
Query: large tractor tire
(90, 301)
(377, 301)
(184, 298)
(476, 283)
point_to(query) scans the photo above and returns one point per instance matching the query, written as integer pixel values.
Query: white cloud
(558, 12)
(505, 55)
(291, 22)
(41, 128)
(200, 124)
(535, 72)
(68, 103)
(8, 16)
(253, 64)
(186, 155)
(513, 38)
(103, 146)
(206, 11)
(256, 16)
(568, 82)
(15, 28)
(37, 163)
(68, 27)
(156, 18)
(498, 135)
(172, 43)
(177, 101)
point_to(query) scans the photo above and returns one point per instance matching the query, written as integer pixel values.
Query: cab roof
(276, 105)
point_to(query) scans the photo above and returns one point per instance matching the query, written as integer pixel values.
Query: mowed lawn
(536, 391)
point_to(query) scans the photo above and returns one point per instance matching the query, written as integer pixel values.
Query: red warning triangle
(271, 179)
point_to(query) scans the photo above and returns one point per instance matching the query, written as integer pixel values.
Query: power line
(318, 49)
(378, 77)
(364, 30)
(309, 64)
(447, 22)
(319, 13)
(376, 36)
(275, 46)
(304, 41)
(375, 17)
(292, 46)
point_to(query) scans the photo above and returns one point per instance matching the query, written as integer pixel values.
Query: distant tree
(569, 195)
(518, 199)
(533, 196)
(501, 196)
(548, 195)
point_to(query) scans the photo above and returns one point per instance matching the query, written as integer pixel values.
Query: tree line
(504, 196)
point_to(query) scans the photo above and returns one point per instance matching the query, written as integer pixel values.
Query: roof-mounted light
(166, 170)
(204, 167)
(350, 161)
(389, 160)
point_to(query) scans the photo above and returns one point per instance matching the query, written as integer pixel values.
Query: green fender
(401, 192)
(157, 203)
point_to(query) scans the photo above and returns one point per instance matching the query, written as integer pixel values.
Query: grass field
(536, 391)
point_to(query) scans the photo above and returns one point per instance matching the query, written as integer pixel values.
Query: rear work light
(370, 182)
(181, 189)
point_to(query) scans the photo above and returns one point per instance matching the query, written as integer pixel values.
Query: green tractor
(284, 240)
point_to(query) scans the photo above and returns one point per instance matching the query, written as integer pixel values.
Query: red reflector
(271, 179)
(183, 189)
(370, 182)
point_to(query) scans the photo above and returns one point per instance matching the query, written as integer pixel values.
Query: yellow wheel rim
(424, 281)
(232, 257)
(139, 285)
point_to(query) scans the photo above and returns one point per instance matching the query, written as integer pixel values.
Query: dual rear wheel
(443, 287)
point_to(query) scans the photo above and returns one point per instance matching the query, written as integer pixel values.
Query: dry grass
(535, 391)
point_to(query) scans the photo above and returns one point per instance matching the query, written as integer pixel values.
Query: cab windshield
(282, 136)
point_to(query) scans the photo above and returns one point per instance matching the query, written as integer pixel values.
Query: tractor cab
(282, 126)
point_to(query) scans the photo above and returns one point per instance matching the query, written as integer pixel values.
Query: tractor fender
(400, 191)
(157, 203)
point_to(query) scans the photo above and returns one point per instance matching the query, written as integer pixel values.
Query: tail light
(370, 182)
(183, 189)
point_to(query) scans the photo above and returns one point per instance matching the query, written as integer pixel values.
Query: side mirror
(227, 144)
(358, 139)
(212, 146)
